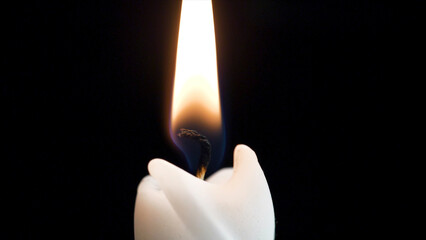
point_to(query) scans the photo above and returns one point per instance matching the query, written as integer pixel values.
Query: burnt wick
(205, 149)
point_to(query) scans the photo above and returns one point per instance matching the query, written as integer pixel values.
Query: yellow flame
(196, 90)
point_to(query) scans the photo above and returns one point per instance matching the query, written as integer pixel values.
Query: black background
(319, 89)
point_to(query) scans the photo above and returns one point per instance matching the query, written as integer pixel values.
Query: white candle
(232, 204)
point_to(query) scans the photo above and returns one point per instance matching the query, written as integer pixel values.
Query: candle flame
(196, 90)
(195, 102)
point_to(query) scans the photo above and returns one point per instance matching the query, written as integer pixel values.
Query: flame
(196, 90)
(195, 102)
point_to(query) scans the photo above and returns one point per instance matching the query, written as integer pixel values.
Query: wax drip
(205, 149)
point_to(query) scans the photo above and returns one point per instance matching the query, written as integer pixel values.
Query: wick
(205, 149)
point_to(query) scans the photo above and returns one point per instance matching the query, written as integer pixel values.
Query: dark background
(319, 89)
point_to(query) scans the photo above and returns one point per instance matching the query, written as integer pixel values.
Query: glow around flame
(196, 90)
(195, 102)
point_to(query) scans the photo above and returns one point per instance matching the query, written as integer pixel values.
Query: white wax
(234, 203)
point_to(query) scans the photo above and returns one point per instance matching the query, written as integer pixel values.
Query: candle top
(231, 204)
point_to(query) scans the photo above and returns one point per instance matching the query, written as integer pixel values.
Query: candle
(233, 203)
